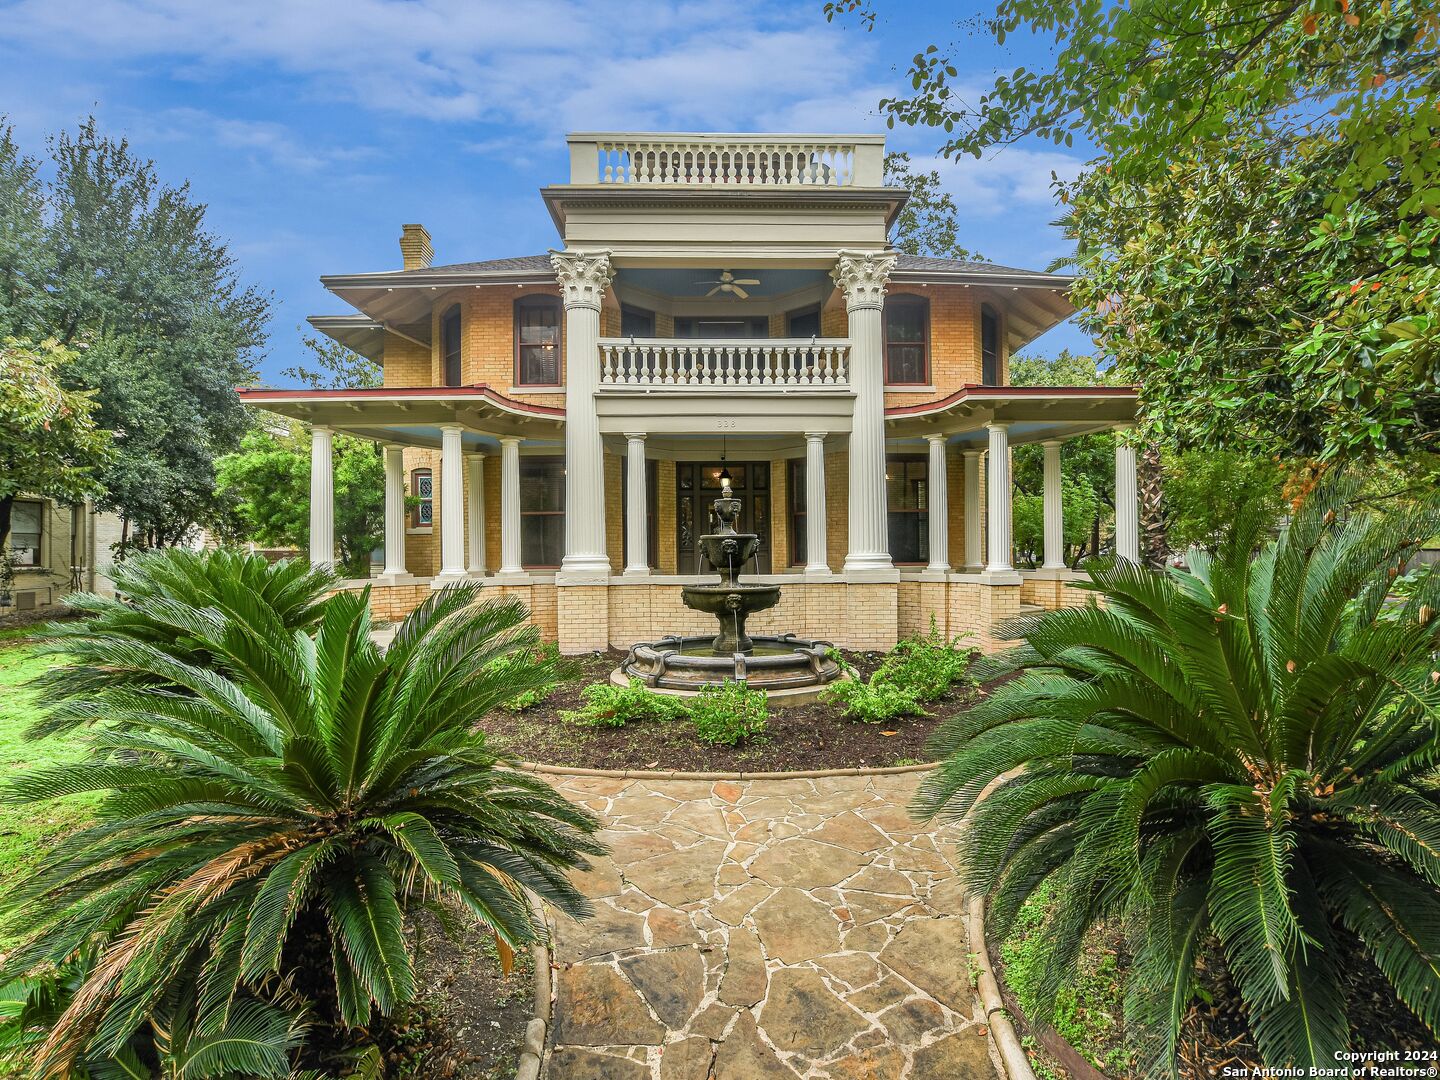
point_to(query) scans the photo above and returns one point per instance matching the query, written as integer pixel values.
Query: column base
(636, 572)
(585, 564)
(935, 573)
(860, 561)
(448, 577)
(997, 576)
(818, 573)
(395, 577)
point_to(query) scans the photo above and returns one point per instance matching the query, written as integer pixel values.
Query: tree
(1206, 493)
(1063, 369)
(335, 367)
(266, 484)
(262, 832)
(927, 224)
(1080, 507)
(1243, 751)
(109, 256)
(49, 444)
(1256, 238)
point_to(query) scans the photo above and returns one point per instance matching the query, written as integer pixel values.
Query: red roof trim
(982, 393)
(480, 390)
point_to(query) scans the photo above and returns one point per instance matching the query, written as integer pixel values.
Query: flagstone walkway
(766, 930)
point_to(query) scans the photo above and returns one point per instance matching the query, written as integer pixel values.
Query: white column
(997, 498)
(1054, 510)
(972, 511)
(322, 497)
(1127, 499)
(452, 500)
(862, 275)
(584, 277)
(938, 504)
(394, 511)
(510, 507)
(637, 536)
(475, 513)
(817, 560)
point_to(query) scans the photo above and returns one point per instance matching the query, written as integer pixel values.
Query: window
(537, 341)
(803, 323)
(422, 487)
(636, 322)
(450, 345)
(799, 555)
(27, 521)
(907, 340)
(737, 326)
(989, 346)
(908, 496)
(542, 511)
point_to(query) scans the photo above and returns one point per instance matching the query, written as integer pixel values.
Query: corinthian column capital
(584, 276)
(861, 276)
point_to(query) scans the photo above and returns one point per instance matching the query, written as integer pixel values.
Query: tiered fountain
(790, 668)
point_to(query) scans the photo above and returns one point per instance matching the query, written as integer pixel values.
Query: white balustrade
(765, 363)
(727, 160)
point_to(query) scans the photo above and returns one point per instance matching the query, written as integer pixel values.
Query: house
(716, 304)
(56, 549)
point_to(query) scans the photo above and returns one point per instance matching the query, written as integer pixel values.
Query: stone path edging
(1012, 1053)
(532, 1053)
(666, 774)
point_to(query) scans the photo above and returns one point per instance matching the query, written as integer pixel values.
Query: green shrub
(727, 714)
(1238, 753)
(269, 817)
(607, 705)
(871, 702)
(547, 655)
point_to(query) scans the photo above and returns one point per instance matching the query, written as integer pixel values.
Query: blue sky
(314, 128)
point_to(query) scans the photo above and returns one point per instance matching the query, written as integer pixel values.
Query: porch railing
(767, 161)
(769, 363)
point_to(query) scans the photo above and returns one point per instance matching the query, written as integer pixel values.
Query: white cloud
(988, 186)
(265, 143)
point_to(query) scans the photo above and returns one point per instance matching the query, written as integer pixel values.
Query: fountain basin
(791, 670)
(731, 604)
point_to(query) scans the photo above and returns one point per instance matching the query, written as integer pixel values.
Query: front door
(697, 486)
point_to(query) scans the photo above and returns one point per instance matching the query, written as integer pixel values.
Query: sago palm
(1246, 751)
(159, 597)
(296, 791)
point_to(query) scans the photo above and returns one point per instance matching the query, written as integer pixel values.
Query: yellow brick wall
(665, 516)
(780, 548)
(837, 514)
(614, 468)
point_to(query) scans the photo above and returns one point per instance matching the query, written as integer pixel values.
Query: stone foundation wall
(1052, 593)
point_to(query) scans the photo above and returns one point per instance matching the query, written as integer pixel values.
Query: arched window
(907, 340)
(450, 344)
(537, 341)
(989, 346)
(422, 487)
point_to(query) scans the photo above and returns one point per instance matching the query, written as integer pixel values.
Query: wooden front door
(697, 486)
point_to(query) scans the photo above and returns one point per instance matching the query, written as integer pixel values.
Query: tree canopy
(107, 256)
(49, 445)
(927, 224)
(1257, 239)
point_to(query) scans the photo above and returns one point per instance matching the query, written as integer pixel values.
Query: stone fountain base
(790, 669)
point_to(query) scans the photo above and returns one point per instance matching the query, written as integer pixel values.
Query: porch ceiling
(414, 415)
(1034, 413)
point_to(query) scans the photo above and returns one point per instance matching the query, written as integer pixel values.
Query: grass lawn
(27, 831)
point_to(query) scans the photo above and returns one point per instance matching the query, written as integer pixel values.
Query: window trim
(908, 300)
(415, 473)
(534, 301)
(994, 314)
(459, 315)
(40, 562)
(924, 460)
(523, 513)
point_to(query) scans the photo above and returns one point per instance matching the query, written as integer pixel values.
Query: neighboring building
(719, 302)
(58, 548)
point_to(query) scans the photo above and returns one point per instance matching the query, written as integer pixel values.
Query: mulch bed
(797, 738)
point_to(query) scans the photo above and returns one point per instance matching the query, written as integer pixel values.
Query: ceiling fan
(729, 283)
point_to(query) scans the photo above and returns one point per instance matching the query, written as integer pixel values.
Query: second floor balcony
(630, 159)
(741, 364)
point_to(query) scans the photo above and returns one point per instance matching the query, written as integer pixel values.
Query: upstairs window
(537, 341)
(636, 322)
(907, 341)
(422, 486)
(803, 323)
(989, 346)
(450, 345)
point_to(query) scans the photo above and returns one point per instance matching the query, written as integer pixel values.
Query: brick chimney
(415, 247)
